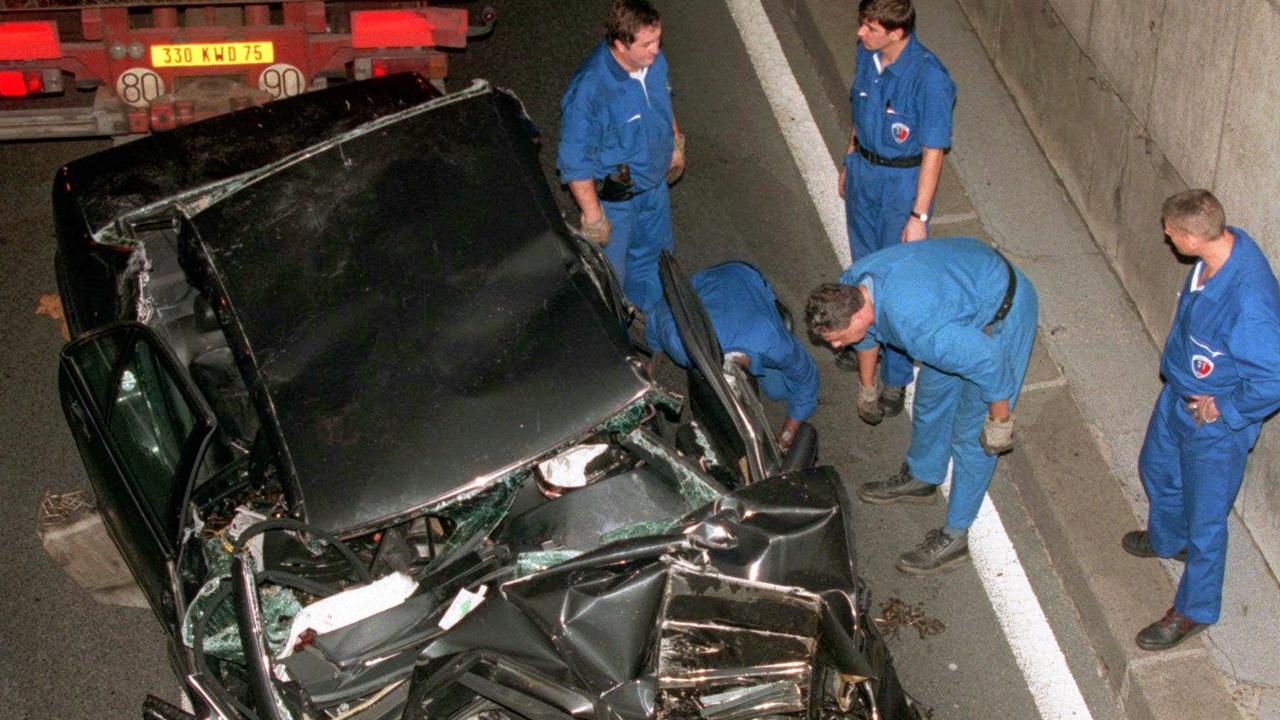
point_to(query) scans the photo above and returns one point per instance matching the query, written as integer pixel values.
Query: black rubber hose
(197, 648)
(297, 525)
(216, 600)
(253, 637)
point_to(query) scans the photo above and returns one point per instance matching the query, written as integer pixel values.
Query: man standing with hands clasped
(1221, 366)
(902, 98)
(969, 317)
(620, 146)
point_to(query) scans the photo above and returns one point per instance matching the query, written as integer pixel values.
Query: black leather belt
(1009, 291)
(899, 162)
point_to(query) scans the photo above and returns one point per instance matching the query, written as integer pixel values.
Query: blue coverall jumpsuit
(609, 118)
(1225, 342)
(897, 113)
(935, 299)
(740, 303)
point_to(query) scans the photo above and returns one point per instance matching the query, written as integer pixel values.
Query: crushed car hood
(724, 618)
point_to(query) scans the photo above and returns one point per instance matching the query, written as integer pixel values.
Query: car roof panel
(406, 305)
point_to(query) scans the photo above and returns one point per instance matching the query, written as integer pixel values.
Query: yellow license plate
(207, 54)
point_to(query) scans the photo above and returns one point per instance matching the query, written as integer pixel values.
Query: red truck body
(75, 68)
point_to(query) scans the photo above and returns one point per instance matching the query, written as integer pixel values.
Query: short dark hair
(891, 14)
(831, 307)
(1195, 212)
(626, 17)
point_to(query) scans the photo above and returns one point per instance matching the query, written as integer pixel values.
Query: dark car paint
(147, 538)
(377, 328)
(382, 314)
(95, 197)
(720, 602)
(287, 332)
(731, 417)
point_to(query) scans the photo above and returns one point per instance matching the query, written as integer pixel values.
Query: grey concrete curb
(1071, 492)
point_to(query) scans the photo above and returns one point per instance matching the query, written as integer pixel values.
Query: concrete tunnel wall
(1133, 100)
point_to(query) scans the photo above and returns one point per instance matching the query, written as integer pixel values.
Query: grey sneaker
(901, 487)
(893, 400)
(938, 552)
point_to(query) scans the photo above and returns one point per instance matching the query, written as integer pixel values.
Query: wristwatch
(921, 216)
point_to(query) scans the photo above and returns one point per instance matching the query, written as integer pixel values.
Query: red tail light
(20, 83)
(35, 40)
(390, 29)
(12, 84)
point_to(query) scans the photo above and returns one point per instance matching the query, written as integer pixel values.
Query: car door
(141, 429)
(724, 393)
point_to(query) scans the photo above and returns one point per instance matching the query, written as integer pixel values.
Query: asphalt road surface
(64, 656)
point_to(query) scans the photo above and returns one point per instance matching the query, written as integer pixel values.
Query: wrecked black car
(364, 419)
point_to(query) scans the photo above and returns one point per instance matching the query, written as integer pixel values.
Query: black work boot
(1168, 631)
(892, 400)
(938, 552)
(1138, 544)
(900, 487)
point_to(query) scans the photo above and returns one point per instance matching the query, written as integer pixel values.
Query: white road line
(1036, 650)
(1031, 640)
(792, 112)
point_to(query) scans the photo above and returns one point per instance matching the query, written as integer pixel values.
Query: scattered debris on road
(895, 614)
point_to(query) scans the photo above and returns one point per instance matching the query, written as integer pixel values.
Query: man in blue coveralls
(620, 146)
(902, 98)
(1221, 366)
(743, 310)
(970, 318)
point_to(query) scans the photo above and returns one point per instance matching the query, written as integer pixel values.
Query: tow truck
(84, 68)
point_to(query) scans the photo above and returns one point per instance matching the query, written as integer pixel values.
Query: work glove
(785, 438)
(677, 161)
(997, 435)
(869, 404)
(598, 231)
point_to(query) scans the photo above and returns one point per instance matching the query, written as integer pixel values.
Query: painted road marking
(791, 109)
(1034, 647)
